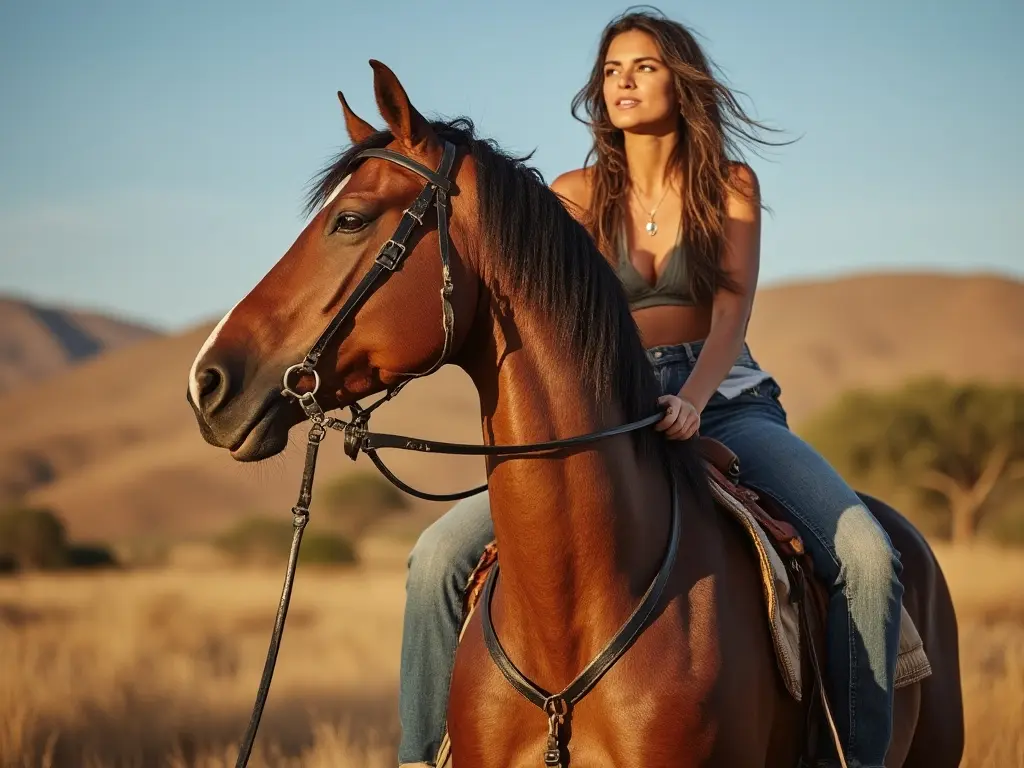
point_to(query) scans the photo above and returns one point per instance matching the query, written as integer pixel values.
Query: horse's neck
(580, 534)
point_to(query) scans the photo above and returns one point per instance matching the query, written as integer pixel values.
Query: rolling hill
(38, 341)
(111, 443)
(877, 330)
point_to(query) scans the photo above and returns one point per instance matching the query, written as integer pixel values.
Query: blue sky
(153, 156)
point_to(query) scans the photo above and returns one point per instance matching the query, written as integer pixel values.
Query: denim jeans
(850, 550)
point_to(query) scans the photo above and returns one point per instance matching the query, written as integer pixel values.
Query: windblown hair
(545, 259)
(711, 127)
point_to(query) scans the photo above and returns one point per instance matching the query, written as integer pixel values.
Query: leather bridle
(358, 438)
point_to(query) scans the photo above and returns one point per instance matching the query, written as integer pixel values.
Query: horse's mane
(546, 258)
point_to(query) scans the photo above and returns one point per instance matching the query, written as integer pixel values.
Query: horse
(614, 556)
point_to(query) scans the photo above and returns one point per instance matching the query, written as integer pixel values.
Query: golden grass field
(159, 668)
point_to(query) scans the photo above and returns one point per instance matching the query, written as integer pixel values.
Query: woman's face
(638, 88)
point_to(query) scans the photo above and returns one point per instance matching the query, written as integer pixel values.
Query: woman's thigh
(780, 463)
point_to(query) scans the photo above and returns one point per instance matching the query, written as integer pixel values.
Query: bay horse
(605, 529)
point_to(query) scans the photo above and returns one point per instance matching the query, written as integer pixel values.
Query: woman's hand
(681, 419)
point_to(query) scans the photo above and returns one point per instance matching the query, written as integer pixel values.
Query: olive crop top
(672, 286)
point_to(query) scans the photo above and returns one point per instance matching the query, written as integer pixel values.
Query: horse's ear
(406, 123)
(358, 129)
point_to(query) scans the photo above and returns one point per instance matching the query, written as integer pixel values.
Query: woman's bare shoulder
(574, 187)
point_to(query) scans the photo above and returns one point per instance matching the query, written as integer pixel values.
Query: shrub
(33, 539)
(363, 490)
(355, 501)
(326, 549)
(267, 541)
(91, 556)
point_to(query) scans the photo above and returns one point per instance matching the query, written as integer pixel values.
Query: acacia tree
(960, 441)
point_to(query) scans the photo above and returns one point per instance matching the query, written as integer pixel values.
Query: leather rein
(358, 438)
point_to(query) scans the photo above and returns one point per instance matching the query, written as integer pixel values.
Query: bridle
(358, 438)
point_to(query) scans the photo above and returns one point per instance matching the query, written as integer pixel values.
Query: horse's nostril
(213, 385)
(208, 381)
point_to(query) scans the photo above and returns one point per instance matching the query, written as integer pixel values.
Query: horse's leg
(937, 738)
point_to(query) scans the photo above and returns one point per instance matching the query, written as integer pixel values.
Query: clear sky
(153, 156)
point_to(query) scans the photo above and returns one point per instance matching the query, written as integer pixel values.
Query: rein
(358, 438)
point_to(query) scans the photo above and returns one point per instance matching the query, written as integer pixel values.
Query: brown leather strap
(558, 706)
(300, 516)
(721, 457)
(393, 251)
(783, 533)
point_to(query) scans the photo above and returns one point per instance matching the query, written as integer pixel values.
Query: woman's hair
(710, 124)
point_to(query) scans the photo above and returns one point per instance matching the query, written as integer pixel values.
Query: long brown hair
(711, 125)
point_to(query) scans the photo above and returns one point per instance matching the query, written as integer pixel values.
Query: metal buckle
(390, 262)
(553, 758)
(354, 434)
(556, 708)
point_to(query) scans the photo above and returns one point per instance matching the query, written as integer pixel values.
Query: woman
(680, 222)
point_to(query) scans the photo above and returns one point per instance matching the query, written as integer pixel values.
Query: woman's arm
(741, 256)
(730, 314)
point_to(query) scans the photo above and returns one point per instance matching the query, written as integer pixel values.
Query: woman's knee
(867, 558)
(449, 548)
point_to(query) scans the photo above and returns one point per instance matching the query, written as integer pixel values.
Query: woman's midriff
(667, 325)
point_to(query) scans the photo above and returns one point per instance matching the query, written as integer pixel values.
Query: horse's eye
(348, 222)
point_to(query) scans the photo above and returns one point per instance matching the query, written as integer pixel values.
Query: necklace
(651, 226)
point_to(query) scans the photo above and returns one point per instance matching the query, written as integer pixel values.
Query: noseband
(358, 438)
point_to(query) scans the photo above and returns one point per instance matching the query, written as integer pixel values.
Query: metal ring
(556, 706)
(287, 390)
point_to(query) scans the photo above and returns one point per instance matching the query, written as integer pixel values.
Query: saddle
(795, 598)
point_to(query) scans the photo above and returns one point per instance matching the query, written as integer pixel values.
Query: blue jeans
(851, 552)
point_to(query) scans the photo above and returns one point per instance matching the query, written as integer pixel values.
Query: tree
(957, 441)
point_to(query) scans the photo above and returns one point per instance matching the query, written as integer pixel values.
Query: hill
(113, 446)
(39, 341)
(876, 330)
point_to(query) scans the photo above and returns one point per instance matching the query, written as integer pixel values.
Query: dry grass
(159, 669)
(988, 590)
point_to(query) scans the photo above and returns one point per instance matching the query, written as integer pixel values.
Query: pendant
(651, 227)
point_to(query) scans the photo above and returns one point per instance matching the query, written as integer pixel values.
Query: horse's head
(392, 324)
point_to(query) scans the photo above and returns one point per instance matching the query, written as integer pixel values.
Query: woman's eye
(348, 222)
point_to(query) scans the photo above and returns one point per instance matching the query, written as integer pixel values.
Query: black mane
(545, 258)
